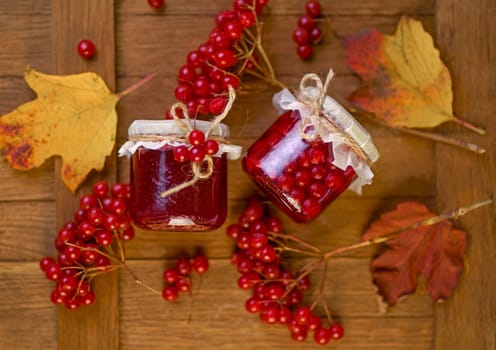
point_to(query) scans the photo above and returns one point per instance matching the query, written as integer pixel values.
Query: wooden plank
(95, 327)
(27, 230)
(27, 317)
(284, 7)
(27, 39)
(468, 320)
(145, 35)
(35, 184)
(25, 7)
(218, 310)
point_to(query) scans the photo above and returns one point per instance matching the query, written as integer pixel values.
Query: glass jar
(301, 175)
(200, 206)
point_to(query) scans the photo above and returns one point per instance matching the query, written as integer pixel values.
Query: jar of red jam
(190, 205)
(303, 168)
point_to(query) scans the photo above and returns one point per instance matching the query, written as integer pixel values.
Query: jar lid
(351, 127)
(172, 127)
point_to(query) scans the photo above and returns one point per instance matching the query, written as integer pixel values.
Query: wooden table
(132, 40)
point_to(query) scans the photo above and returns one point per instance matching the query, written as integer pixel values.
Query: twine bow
(185, 124)
(312, 93)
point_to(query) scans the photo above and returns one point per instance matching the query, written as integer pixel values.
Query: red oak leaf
(434, 251)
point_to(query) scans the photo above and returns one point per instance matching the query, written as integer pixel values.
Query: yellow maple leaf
(73, 117)
(405, 82)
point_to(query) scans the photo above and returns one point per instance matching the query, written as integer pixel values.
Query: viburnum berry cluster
(198, 148)
(277, 293)
(178, 279)
(308, 33)
(85, 244)
(233, 49)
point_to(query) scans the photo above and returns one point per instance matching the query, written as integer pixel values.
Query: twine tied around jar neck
(312, 92)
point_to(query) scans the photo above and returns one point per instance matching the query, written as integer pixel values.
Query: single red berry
(252, 305)
(104, 238)
(322, 335)
(200, 264)
(183, 266)
(337, 331)
(196, 137)
(302, 315)
(225, 58)
(317, 190)
(306, 22)
(196, 154)
(274, 224)
(233, 29)
(100, 189)
(246, 18)
(301, 36)
(156, 4)
(211, 147)
(183, 284)
(217, 104)
(46, 262)
(201, 87)
(181, 153)
(170, 275)
(128, 234)
(315, 35)
(88, 298)
(87, 201)
(183, 92)
(315, 322)
(223, 17)
(230, 80)
(233, 230)
(313, 8)
(186, 74)
(170, 293)
(86, 49)
(53, 272)
(305, 51)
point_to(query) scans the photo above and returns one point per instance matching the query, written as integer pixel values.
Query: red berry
(317, 190)
(53, 272)
(337, 331)
(322, 336)
(100, 189)
(183, 92)
(200, 264)
(305, 51)
(306, 22)
(196, 137)
(156, 4)
(315, 322)
(246, 18)
(194, 59)
(301, 36)
(196, 154)
(88, 298)
(303, 315)
(181, 153)
(211, 147)
(313, 8)
(223, 17)
(233, 30)
(183, 284)
(248, 279)
(201, 87)
(87, 201)
(128, 234)
(170, 275)
(86, 48)
(46, 262)
(252, 305)
(170, 293)
(217, 105)
(274, 224)
(183, 266)
(104, 238)
(72, 303)
(315, 35)
(225, 58)
(233, 230)
(334, 181)
(186, 74)
(230, 80)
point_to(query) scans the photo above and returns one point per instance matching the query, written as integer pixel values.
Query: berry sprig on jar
(232, 51)
(198, 148)
(308, 33)
(277, 293)
(89, 245)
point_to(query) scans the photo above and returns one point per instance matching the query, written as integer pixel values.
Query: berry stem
(295, 239)
(137, 85)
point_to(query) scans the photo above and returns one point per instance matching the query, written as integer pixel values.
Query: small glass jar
(202, 206)
(300, 174)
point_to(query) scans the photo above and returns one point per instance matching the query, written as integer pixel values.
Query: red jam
(297, 175)
(199, 207)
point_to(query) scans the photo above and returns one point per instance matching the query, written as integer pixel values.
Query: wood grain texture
(468, 319)
(219, 320)
(27, 317)
(95, 327)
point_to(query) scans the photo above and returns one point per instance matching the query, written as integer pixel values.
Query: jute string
(314, 123)
(185, 123)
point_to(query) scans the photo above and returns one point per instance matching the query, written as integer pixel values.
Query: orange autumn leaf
(435, 251)
(405, 83)
(73, 117)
